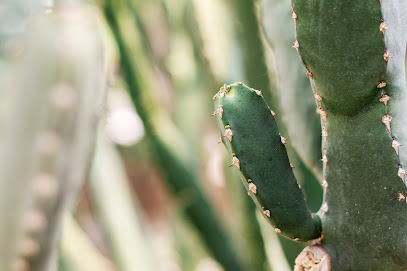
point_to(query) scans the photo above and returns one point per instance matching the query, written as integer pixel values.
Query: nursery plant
(353, 53)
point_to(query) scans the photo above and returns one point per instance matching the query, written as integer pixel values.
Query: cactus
(51, 104)
(353, 53)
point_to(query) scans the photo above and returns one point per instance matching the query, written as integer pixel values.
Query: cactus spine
(353, 53)
(52, 103)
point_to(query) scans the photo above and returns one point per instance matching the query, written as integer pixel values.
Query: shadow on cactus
(355, 63)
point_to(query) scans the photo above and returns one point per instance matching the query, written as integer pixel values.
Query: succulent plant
(354, 54)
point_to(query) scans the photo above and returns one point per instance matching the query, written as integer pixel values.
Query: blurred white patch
(124, 126)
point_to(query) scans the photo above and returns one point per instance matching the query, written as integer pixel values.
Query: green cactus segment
(340, 44)
(354, 52)
(251, 135)
(366, 213)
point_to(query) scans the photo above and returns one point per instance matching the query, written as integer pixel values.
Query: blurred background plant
(159, 194)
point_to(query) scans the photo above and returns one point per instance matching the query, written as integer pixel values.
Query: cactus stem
(386, 119)
(296, 46)
(266, 213)
(253, 188)
(381, 85)
(385, 99)
(382, 27)
(386, 56)
(395, 146)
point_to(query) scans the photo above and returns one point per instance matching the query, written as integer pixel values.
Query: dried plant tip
(386, 119)
(400, 197)
(401, 173)
(385, 99)
(249, 180)
(324, 133)
(229, 134)
(309, 74)
(383, 27)
(294, 16)
(313, 258)
(219, 111)
(273, 113)
(277, 230)
(283, 140)
(317, 97)
(235, 162)
(381, 85)
(386, 56)
(258, 92)
(324, 183)
(266, 213)
(253, 188)
(291, 165)
(322, 113)
(296, 45)
(395, 146)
